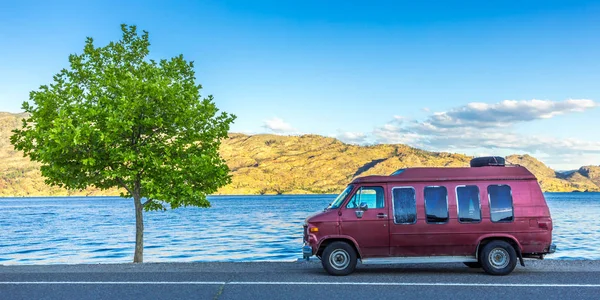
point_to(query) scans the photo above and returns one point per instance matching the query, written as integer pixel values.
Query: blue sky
(473, 77)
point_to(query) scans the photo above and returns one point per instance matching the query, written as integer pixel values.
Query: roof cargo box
(485, 161)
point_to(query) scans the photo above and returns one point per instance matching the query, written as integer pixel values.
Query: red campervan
(488, 216)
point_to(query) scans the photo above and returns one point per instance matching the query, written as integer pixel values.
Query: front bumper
(307, 251)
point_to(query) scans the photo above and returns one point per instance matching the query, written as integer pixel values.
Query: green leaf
(115, 118)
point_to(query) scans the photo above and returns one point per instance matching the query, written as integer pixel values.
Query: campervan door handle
(381, 215)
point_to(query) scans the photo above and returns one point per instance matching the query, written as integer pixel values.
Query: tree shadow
(367, 166)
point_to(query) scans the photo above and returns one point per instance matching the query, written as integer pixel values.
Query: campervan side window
(436, 204)
(405, 205)
(501, 203)
(468, 204)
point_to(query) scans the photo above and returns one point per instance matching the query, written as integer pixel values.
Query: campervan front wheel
(339, 259)
(498, 258)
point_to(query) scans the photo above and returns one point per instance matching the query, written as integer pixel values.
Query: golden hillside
(315, 164)
(273, 164)
(590, 174)
(21, 177)
(550, 180)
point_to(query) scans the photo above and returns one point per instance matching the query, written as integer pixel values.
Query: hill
(551, 180)
(590, 173)
(274, 164)
(315, 164)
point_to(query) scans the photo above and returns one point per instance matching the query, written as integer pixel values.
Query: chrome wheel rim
(339, 259)
(499, 258)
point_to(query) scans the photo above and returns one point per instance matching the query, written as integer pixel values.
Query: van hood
(324, 216)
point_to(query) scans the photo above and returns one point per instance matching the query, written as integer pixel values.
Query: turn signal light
(314, 229)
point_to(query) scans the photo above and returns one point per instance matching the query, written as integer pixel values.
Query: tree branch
(122, 183)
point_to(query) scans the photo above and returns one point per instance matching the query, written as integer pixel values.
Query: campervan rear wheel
(498, 258)
(339, 259)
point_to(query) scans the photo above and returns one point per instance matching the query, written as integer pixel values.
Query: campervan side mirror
(363, 206)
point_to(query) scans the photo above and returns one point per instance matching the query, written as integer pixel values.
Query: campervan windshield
(340, 198)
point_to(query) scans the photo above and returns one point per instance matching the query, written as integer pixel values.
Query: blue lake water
(75, 230)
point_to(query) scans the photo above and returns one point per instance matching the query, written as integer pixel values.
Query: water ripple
(236, 228)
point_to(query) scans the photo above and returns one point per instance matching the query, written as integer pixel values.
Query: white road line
(419, 284)
(297, 283)
(113, 282)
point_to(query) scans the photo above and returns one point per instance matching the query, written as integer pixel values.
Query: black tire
(498, 258)
(473, 265)
(339, 259)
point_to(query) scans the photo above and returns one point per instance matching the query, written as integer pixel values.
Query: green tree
(118, 119)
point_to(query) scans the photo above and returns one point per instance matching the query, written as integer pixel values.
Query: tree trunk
(138, 257)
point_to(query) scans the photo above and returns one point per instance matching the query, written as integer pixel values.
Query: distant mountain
(21, 177)
(565, 173)
(551, 180)
(592, 173)
(273, 164)
(315, 164)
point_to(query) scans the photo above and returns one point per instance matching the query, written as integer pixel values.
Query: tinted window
(469, 209)
(405, 207)
(501, 203)
(436, 204)
(373, 196)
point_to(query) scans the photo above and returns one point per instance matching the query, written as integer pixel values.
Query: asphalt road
(298, 280)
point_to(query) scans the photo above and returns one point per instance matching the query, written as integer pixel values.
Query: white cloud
(352, 137)
(478, 127)
(390, 127)
(507, 112)
(428, 136)
(277, 125)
